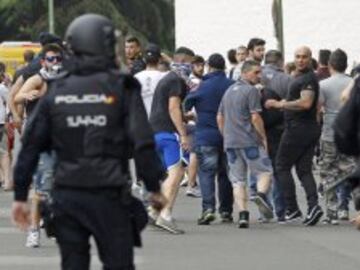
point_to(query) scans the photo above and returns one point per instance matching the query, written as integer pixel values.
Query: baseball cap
(47, 38)
(152, 50)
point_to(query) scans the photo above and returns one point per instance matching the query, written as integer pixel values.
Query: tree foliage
(149, 20)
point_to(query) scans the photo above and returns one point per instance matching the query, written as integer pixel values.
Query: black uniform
(92, 118)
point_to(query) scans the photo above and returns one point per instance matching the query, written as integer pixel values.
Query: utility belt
(138, 214)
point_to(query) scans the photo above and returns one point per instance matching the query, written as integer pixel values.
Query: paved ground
(215, 247)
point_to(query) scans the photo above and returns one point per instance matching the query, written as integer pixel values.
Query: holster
(139, 220)
(138, 214)
(47, 214)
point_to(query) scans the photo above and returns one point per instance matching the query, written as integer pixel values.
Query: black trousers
(273, 140)
(297, 148)
(102, 214)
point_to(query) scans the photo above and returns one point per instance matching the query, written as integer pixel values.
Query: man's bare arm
(345, 95)
(177, 118)
(30, 90)
(258, 124)
(17, 111)
(220, 122)
(304, 103)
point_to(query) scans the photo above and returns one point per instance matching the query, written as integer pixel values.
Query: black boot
(243, 219)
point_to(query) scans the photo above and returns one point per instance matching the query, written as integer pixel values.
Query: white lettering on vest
(84, 99)
(86, 120)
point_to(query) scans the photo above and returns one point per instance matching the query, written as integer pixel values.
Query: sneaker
(291, 216)
(243, 222)
(226, 217)
(152, 214)
(329, 221)
(264, 206)
(331, 217)
(281, 220)
(263, 220)
(313, 216)
(207, 217)
(252, 197)
(169, 226)
(33, 239)
(343, 214)
(193, 192)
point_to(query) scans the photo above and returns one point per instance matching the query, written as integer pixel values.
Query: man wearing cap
(150, 77)
(208, 141)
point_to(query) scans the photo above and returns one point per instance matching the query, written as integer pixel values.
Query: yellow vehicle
(11, 53)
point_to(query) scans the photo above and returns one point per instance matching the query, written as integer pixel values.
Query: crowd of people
(231, 135)
(245, 128)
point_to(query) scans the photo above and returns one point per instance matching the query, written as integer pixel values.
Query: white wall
(323, 24)
(210, 26)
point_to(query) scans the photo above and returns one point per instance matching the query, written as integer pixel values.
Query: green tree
(148, 20)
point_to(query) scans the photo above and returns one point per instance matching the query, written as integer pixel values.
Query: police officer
(91, 118)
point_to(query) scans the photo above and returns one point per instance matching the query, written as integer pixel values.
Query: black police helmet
(91, 34)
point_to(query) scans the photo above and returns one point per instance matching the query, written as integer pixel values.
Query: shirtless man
(29, 94)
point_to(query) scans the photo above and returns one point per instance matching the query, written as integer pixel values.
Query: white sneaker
(193, 192)
(343, 214)
(152, 214)
(33, 239)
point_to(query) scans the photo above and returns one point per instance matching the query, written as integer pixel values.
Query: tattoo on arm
(304, 103)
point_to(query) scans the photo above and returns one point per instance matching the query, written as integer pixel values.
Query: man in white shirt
(150, 77)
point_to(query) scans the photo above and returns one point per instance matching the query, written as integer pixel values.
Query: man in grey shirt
(245, 141)
(272, 74)
(334, 165)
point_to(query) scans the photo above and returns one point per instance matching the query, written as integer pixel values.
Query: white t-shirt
(3, 101)
(149, 79)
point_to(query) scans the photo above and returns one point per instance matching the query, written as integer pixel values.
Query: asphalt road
(215, 247)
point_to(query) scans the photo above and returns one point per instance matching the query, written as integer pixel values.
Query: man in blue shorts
(166, 119)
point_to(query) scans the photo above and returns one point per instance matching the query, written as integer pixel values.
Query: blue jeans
(278, 198)
(344, 194)
(212, 163)
(44, 175)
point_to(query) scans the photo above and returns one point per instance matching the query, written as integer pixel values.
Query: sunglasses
(51, 59)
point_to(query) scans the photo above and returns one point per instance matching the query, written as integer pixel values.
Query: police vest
(87, 123)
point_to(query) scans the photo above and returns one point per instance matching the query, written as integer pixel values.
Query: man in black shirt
(298, 142)
(166, 119)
